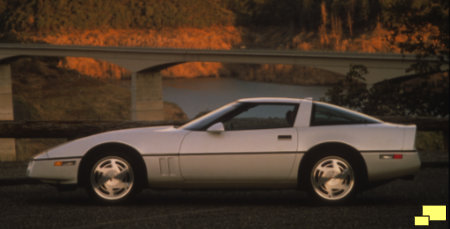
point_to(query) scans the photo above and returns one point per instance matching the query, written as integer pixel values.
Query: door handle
(284, 137)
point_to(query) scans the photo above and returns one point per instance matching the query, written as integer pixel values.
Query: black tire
(331, 177)
(112, 178)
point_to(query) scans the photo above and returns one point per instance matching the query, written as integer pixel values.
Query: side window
(329, 115)
(262, 116)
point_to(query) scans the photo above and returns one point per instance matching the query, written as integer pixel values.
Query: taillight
(391, 156)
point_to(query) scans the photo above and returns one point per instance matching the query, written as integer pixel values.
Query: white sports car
(330, 151)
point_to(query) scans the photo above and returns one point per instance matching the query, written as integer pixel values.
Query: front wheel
(332, 179)
(112, 179)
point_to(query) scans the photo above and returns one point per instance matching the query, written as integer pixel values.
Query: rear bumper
(380, 166)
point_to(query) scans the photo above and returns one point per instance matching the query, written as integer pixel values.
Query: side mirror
(216, 128)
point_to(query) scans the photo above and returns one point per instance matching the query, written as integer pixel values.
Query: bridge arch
(145, 64)
(136, 59)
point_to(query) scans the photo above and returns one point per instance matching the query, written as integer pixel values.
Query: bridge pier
(146, 96)
(7, 145)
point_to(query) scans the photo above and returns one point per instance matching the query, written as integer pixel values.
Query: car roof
(272, 100)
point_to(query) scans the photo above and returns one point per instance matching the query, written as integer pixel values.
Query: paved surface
(392, 205)
(13, 170)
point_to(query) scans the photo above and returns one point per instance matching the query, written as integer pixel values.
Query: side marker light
(64, 163)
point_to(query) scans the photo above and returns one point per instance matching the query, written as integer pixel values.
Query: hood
(145, 140)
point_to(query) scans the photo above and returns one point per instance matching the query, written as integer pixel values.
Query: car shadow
(204, 198)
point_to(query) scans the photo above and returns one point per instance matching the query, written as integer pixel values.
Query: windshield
(206, 120)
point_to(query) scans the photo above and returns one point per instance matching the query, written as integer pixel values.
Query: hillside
(43, 91)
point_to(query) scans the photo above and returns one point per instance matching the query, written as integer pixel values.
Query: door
(258, 145)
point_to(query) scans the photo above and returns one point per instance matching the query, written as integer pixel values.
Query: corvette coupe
(329, 151)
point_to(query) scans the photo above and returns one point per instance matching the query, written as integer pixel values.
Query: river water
(204, 94)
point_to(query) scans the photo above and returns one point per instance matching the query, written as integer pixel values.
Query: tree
(352, 91)
(413, 95)
(426, 27)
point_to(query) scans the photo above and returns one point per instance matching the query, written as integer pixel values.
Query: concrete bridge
(145, 64)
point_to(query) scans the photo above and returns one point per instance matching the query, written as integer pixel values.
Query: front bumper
(381, 167)
(54, 171)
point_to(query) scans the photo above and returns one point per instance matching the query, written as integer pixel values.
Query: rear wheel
(112, 178)
(333, 178)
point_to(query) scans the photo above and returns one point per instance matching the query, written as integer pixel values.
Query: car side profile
(329, 151)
